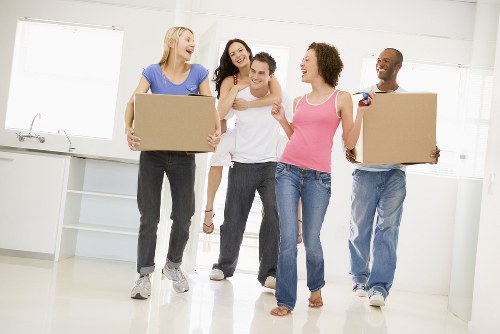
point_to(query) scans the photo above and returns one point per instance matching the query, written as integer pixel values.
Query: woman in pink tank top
(303, 172)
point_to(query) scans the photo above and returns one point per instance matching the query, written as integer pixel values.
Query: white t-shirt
(258, 132)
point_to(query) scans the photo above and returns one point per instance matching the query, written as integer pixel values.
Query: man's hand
(435, 154)
(133, 141)
(214, 139)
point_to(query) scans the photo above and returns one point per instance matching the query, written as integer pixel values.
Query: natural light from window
(69, 74)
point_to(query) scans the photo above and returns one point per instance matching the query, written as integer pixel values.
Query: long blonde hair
(173, 34)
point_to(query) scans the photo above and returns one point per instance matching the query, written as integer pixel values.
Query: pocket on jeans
(280, 169)
(325, 180)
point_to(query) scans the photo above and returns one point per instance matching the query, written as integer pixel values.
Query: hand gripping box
(174, 122)
(398, 128)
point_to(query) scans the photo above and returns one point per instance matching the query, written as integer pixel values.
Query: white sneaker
(270, 282)
(178, 278)
(359, 289)
(142, 288)
(376, 298)
(216, 275)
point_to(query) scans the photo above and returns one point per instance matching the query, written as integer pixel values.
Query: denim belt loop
(318, 173)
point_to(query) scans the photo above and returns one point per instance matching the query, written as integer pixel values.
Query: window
(463, 111)
(69, 74)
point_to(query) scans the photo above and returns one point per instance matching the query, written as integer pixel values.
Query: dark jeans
(243, 180)
(180, 170)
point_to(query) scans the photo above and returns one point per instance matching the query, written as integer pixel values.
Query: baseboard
(26, 254)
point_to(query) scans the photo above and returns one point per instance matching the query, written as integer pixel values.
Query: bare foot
(280, 311)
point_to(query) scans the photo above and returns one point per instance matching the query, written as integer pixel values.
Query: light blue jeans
(314, 189)
(381, 193)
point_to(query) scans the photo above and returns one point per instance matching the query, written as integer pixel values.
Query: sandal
(316, 303)
(280, 311)
(208, 228)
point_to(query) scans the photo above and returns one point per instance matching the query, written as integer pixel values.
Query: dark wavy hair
(226, 67)
(329, 63)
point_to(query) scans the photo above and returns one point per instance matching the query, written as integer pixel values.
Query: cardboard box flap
(398, 128)
(174, 122)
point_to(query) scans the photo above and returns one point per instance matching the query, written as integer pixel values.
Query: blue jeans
(244, 179)
(381, 193)
(180, 170)
(314, 189)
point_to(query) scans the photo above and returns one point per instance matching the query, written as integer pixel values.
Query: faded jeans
(244, 179)
(381, 193)
(180, 170)
(314, 189)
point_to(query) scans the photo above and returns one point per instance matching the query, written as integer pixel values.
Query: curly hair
(226, 67)
(329, 63)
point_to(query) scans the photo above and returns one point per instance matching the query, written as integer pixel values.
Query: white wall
(429, 30)
(488, 257)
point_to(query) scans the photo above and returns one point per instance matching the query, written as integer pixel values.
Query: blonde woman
(175, 76)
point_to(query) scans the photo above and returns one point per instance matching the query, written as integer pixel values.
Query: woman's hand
(133, 141)
(367, 101)
(277, 111)
(436, 153)
(240, 104)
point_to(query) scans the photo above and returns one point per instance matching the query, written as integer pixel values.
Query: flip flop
(316, 303)
(208, 228)
(280, 311)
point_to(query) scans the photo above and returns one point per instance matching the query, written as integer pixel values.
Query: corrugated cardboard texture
(398, 128)
(174, 122)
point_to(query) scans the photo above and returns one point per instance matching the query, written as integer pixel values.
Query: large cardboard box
(174, 122)
(398, 128)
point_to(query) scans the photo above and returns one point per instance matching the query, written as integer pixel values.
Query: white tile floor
(82, 295)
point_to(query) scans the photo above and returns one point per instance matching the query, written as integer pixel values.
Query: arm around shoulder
(274, 95)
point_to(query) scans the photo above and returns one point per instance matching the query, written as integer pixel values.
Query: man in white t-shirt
(254, 165)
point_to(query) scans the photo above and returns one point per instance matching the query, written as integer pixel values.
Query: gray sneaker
(376, 298)
(178, 278)
(142, 288)
(270, 282)
(359, 289)
(216, 275)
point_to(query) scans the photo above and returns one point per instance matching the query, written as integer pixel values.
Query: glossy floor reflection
(82, 295)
